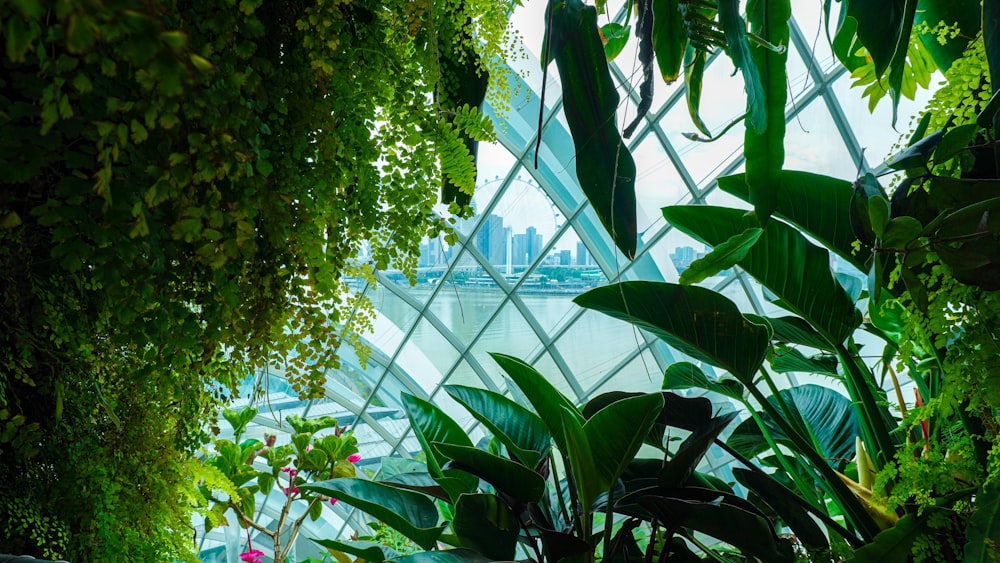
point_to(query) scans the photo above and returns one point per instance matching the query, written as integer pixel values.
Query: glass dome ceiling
(535, 243)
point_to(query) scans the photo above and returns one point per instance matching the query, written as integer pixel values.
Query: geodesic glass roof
(535, 243)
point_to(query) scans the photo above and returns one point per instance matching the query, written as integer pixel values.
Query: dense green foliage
(186, 187)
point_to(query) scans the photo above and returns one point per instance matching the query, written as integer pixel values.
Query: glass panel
(814, 143)
(510, 334)
(595, 344)
(657, 182)
(434, 346)
(467, 301)
(642, 374)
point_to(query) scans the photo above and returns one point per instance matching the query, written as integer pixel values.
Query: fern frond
(458, 164)
(474, 123)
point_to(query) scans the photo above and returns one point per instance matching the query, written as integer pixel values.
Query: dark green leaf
(722, 257)
(955, 141)
(604, 165)
(983, 533)
(685, 375)
(520, 430)
(892, 545)
(445, 556)
(900, 232)
(669, 38)
(549, 403)
(778, 497)
(409, 513)
(697, 321)
(963, 12)
(828, 413)
(616, 433)
(916, 155)
(735, 30)
(694, 71)
(817, 204)
(484, 524)
(431, 424)
(506, 476)
(764, 143)
(783, 261)
(791, 360)
(676, 471)
(793, 330)
(371, 552)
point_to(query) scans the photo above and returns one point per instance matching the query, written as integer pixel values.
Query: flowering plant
(237, 471)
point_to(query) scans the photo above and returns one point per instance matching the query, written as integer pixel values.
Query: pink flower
(333, 501)
(286, 469)
(291, 491)
(308, 448)
(354, 458)
(252, 556)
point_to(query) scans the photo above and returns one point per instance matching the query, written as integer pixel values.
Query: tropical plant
(558, 483)
(230, 480)
(937, 236)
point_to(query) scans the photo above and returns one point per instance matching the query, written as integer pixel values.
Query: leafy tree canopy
(187, 187)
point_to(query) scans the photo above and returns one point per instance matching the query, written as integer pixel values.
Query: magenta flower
(291, 491)
(354, 458)
(333, 501)
(252, 556)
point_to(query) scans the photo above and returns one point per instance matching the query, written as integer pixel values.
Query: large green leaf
(686, 413)
(892, 545)
(669, 38)
(445, 556)
(828, 413)
(783, 261)
(484, 523)
(676, 471)
(431, 424)
(722, 257)
(751, 533)
(735, 30)
(685, 375)
(508, 477)
(411, 514)
(549, 403)
(697, 321)
(371, 552)
(764, 146)
(793, 330)
(601, 449)
(604, 165)
(779, 498)
(817, 204)
(983, 533)
(517, 428)
(878, 28)
(792, 360)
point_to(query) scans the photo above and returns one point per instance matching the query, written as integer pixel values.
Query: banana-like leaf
(506, 476)
(686, 413)
(782, 261)
(604, 165)
(483, 523)
(983, 533)
(878, 28)
(520, 430)
(793, 330)
(694, 72)
(791, 360)
(735, 30)
(445, 556)
(681, 466)
(669, 39)
(724, 256)
(828, 413)
(411, 514)
(602, 448)
(431, 424)
(751, 533)
(685, 375)
(371, 552)
(549, 403)
(764, 146)
(778, 497)
(817, 204)
(892, 545)
(915, 155)
(699, 322)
